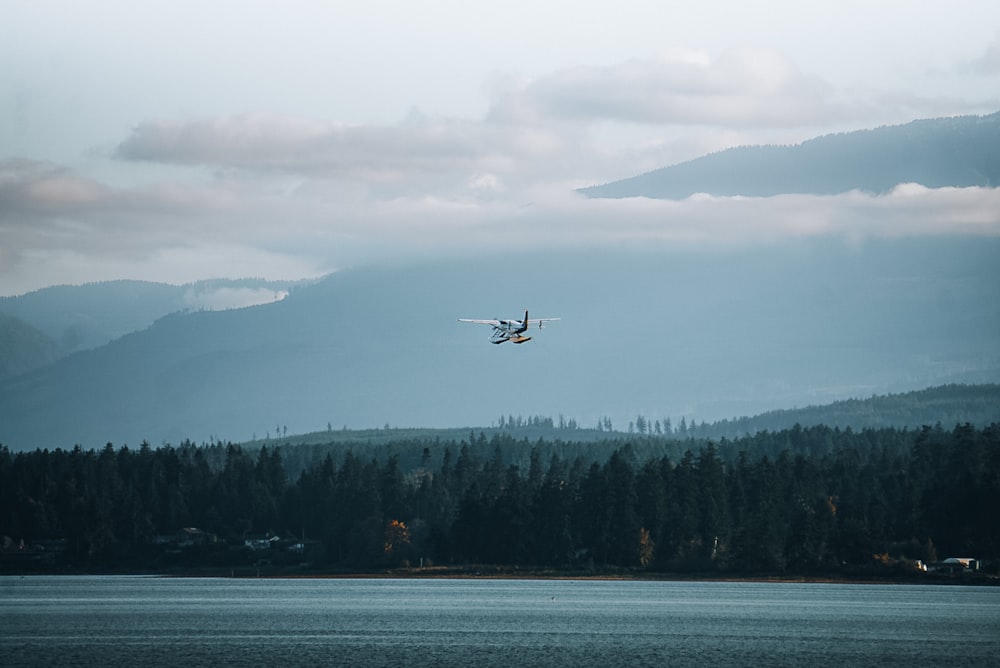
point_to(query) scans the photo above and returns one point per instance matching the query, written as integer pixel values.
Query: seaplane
(510, 330)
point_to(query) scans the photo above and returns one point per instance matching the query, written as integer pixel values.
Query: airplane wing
(497, 323)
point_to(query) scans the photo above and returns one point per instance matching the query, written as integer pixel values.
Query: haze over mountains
(704, 333)
(38, 327)
(708, 336)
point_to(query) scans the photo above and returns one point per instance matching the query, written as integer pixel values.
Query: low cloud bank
(60, 227)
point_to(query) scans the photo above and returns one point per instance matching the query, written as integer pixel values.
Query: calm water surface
(146, 621)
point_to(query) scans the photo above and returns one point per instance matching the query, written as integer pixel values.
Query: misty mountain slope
(707, 335)
(80, 317)
(960, 152)
(23, 347)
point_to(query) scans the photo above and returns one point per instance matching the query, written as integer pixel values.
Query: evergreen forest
(806, 500)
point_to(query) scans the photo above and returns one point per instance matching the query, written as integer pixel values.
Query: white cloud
(910, 209)
(32, 189)
(419, 155)
(216, 298)
(53, 219)
(184, 233)
(290, 143)
(681, 86)
(33, 186)
(988, 64)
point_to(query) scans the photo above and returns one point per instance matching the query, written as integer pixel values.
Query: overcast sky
(175, 141)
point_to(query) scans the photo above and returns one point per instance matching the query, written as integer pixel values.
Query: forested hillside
(949, 404)
(817, 500)
(977, 405)
(958, 152)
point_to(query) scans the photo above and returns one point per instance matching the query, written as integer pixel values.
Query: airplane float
(510, 330)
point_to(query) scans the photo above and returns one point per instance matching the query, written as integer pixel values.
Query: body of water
(150, 621)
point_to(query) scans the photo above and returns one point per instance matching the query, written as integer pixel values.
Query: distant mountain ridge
(707, 336)
(23, 347)
(70, 318)
(961, 151)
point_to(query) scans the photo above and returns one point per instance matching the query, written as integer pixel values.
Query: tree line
(802, 500)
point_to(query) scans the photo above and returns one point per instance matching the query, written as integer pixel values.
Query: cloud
(31, 189)
(418, 155)
(910, 209)
(34, 186)
(289, 143)
(529, 121)
(50, 211)
(185, 233)
(216, 298)
(988, 64)
(755, 87)
(279, 142)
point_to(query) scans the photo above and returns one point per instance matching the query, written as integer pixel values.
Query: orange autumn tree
(397, 535)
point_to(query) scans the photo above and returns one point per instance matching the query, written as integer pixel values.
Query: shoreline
(495, 573)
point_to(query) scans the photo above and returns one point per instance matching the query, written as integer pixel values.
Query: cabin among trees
(799, 501)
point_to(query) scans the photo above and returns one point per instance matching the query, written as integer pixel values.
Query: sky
(188, 140)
